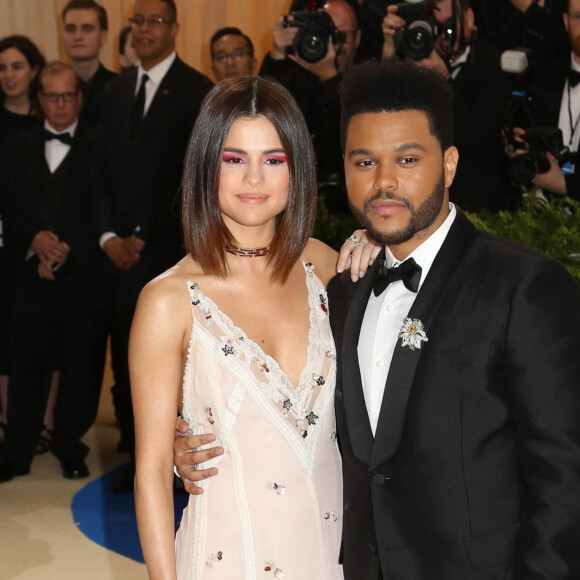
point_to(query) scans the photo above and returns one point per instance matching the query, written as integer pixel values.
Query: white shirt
(54, 150)
(156, 75)
(564, 120)
(384, 317)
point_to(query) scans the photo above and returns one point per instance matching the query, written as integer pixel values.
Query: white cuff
(105, 238)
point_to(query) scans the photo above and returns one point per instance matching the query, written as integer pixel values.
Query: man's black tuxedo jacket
(545, 99)
(33, 204)
(474, 471)
(139, 178)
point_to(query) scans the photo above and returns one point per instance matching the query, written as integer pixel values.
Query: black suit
(92, 90)
(545, 100)
(139, 179)
(57, 325)
(474, 470)
(480, 94)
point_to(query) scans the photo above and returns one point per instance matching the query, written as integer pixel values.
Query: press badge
(568, 168)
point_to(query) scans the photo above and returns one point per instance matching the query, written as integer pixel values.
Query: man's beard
(421, 217)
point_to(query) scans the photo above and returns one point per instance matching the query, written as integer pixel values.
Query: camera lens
(417, 40)
(312, 48)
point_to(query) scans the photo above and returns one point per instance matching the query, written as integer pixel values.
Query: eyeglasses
(236, 55)
(139, 21)
(54, 97)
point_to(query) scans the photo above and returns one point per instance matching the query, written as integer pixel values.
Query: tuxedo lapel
(359, 428)
(404, 362)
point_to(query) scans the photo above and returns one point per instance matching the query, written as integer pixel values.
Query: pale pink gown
(275, 508)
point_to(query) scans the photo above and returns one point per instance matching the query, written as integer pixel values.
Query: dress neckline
(313, 294)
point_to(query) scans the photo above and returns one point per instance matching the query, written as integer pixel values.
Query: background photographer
(533, 24)
(315, 85)
(481, 91)
(554, 101)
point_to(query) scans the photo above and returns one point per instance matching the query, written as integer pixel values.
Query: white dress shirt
(570, 140)
(156, 75)
(384, 317)
(54, 150)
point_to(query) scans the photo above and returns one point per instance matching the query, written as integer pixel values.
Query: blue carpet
(108, 518)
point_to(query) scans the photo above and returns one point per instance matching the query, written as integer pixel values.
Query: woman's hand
(357, 253)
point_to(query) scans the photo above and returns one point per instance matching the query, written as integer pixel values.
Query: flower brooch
(412, 333)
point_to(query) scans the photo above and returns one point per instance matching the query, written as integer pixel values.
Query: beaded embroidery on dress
(275, 508)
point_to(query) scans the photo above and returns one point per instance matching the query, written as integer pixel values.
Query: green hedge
(553, 228)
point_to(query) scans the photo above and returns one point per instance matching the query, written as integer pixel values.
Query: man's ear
(450, 159)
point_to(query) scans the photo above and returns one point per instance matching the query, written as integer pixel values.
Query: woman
(242, 324)
(20, 63)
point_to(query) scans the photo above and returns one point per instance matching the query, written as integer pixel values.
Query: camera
(415, 38)
(315, 29)
(521, 169)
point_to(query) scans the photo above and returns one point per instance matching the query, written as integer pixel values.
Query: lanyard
(573, 125)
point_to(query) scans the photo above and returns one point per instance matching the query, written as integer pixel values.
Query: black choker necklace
(247, 252)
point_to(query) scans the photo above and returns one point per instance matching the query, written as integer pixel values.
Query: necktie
(66, 138)
(573, 78)
(408, 271)
(138, 107)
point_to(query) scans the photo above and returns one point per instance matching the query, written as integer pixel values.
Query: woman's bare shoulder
(169, 290)
(323, 257)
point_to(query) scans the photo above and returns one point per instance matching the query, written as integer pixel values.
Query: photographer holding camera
(443, 36)
(310, 50)
(554, 101)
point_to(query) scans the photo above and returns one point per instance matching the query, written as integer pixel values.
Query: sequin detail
(330, 515)
(311, 418)
(279, 489)
(271, 567)
(319, 380)
(209, 414)
(228, 349)
(213, 559)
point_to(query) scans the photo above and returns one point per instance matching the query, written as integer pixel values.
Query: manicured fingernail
(339, 268)
(361, 274)
(218, 451)
(371, 262)
(209, 437)
(354, 277)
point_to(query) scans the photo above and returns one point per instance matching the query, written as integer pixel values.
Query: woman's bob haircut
(205, 233)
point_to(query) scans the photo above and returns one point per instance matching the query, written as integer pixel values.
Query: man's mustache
(385, 194)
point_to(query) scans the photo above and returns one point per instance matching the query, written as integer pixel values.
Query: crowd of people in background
(91, 164)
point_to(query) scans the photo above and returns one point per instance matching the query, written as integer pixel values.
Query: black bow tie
(408, 271)
(573, 77)
(66, 138)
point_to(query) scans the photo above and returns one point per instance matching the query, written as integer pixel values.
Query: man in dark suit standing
(555, 102)
(59, 307)
(457, 393)
(85, 31)
(146, 117)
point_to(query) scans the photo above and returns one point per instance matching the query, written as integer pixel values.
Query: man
(457, 393)
(232, 54)
(555, 102)
(315, 87)
(85, 32)
(59, 310)
(147, 116)
(533, 24)
(481, 92)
